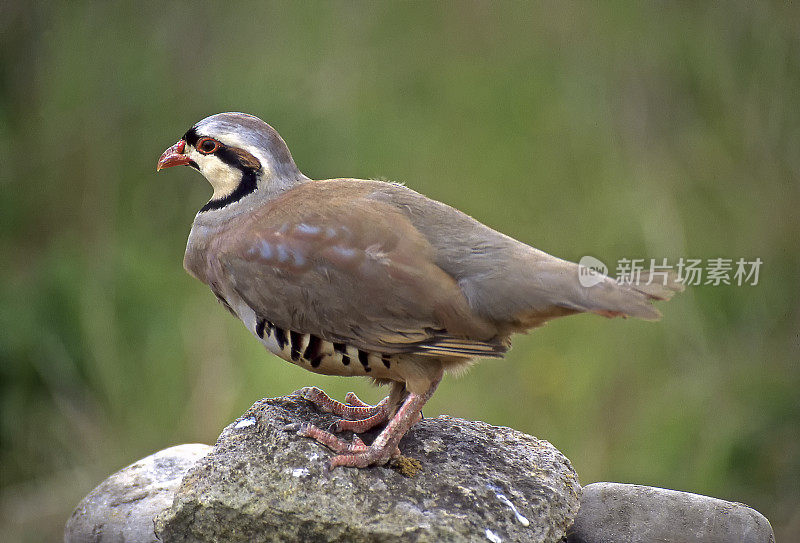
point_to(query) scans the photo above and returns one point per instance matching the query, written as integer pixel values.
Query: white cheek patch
(223, 178)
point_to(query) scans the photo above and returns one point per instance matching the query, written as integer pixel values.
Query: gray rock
(476, 483)
(121, 509)
(614, 512)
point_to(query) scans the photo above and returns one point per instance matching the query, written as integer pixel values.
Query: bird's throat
(227, 192)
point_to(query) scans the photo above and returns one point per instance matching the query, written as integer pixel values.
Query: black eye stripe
(223, 153)
(191, 136)
(229, 158)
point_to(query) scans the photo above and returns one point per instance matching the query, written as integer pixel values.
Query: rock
(121, 509)
(612, 512)
(476, 483)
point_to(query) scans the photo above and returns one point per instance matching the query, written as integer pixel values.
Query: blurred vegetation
(616, 130)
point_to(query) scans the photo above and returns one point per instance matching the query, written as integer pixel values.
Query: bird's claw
(356, 416)
(334, 427)
(353, 454)
(351, 399)
(334, 443)
(359, 419)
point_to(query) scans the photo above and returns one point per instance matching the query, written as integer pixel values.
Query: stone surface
(614, 512)
(122, 508)
(476, 483)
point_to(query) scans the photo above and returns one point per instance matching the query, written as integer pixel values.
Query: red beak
(173, 157)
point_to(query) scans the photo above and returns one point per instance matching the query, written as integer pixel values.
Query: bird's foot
(371, 456)
(363, 425)
(331, 441)
(385, 447)
(351, 399)
(357, 416)
(355, 454)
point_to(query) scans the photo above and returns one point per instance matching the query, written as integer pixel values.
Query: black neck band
(247, 185)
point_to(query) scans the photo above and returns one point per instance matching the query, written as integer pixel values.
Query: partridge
(368, 278)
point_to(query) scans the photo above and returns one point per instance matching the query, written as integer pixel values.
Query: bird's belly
(312, 352)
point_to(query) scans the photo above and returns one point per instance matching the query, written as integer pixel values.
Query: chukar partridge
(368, 278)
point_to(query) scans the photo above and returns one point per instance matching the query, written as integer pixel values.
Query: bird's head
(237, 153)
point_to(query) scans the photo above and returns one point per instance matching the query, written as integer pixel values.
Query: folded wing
(350, 271)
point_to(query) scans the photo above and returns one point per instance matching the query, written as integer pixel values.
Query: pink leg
(331, 441)
(385, 445)
(361, 426)
(348, 411)
(351, 399)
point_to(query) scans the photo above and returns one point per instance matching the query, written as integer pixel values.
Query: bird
(358, 277)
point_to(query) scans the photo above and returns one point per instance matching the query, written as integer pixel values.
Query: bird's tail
(611, 298)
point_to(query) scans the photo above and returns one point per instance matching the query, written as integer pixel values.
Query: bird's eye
(207, 145)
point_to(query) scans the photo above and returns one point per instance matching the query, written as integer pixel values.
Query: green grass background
(617, 130)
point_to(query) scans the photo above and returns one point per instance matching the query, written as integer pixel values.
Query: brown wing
(350, 270)
(510, 284)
